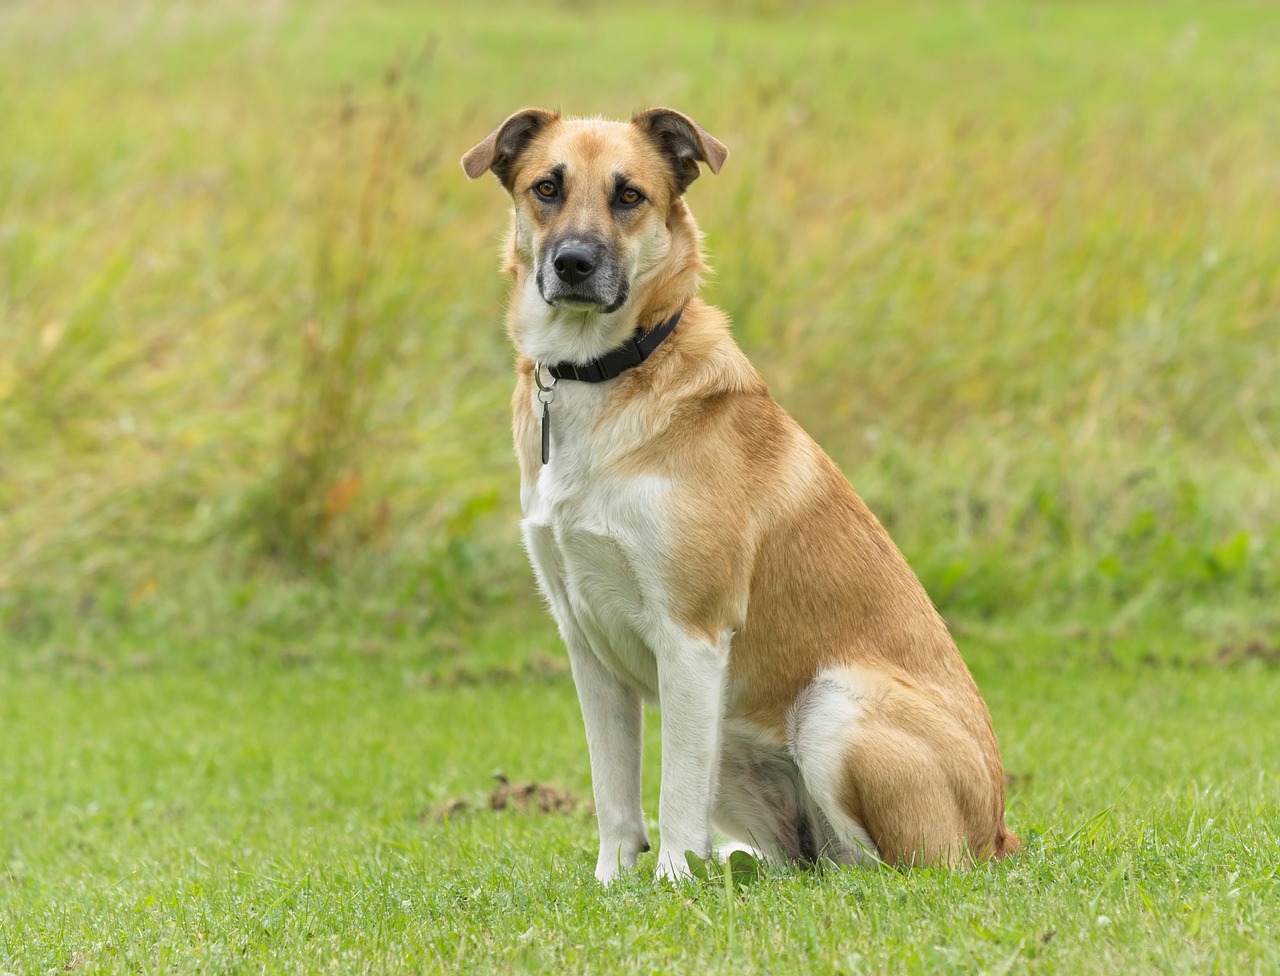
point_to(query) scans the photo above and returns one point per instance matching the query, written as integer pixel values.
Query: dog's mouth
(589, 303)
(579, 299)
(574, 300)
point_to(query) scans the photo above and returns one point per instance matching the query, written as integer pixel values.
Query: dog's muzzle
(578, 272)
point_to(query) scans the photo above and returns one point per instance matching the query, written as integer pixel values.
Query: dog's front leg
(691, 675)
(614, 718)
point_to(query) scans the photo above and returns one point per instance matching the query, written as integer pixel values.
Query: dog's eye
(630, 197)
(546, 189)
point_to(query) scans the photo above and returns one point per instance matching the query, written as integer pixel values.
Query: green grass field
(263, 608)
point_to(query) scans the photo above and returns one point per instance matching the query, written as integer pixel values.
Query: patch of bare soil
(1230, 655)
(543, 798)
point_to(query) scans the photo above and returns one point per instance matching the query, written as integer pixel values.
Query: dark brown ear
(683, 142)
(500, 148)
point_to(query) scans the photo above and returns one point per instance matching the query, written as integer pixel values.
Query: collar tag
(612, 364)
(546, 393)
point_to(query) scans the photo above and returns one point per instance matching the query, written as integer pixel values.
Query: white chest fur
(597, 539)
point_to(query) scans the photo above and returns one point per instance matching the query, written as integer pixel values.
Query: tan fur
(774, 545)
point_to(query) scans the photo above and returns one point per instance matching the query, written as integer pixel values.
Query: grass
(1010, 265)
(221, 810)
(262, 607)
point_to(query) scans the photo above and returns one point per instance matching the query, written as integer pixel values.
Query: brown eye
(630, 196)
(546, 189)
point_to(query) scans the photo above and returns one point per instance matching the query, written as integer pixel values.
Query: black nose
(574, 263)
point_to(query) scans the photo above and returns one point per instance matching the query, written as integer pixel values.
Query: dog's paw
(673, 866)
(616, 858)
(607, 871)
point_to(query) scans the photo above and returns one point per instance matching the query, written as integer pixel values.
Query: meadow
(267, 636)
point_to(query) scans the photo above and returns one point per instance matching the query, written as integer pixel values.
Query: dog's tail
(1007, 843)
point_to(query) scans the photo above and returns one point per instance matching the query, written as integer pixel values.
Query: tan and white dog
(699, 550)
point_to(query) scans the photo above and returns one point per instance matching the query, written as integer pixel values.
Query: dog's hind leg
(895, 775)
(818, 735)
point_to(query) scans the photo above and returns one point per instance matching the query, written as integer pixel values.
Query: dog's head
(593, 200)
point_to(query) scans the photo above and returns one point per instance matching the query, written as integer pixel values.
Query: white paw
(607, 871)
(672, 866)
(618, 857)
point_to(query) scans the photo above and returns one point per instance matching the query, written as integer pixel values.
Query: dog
(700, 551)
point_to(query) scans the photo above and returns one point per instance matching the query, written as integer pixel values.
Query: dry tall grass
(1015, 267)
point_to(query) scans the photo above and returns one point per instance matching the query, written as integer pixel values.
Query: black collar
(617, 361)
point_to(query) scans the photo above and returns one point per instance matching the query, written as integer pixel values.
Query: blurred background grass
(1013, 264)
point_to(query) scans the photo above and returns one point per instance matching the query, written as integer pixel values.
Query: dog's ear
(499, 150)
(683, 142)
